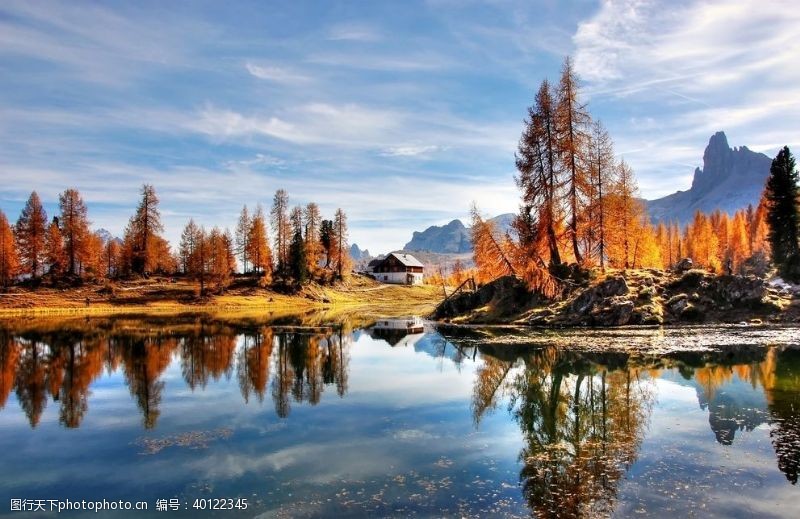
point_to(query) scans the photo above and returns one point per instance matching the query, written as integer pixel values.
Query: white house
(399, 268)
(394, 331)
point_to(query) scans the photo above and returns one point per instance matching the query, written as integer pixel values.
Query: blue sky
(401, 113)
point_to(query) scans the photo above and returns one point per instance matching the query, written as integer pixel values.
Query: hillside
(730, 179)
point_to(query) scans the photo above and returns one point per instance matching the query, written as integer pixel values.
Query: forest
(65, 250)
(580, 206)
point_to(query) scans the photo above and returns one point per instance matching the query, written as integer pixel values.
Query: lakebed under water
(399, 418)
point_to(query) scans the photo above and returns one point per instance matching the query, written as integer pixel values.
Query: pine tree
(30, 235)
(326, 240)
(74, 228)
(9, 262)
(783, 214)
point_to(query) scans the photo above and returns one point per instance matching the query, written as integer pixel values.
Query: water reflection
(582, 416)
(300, 363)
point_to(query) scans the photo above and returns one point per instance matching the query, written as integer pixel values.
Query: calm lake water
(399, 419)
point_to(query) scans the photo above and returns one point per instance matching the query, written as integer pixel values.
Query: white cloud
(354, 32)
(691, 68)
(409, 150)
(276, 74)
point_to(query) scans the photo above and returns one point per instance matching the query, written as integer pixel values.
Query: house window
(386, 278)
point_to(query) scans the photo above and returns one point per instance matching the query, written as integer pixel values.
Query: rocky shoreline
(632, 297)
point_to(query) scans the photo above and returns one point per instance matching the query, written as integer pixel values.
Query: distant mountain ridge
(453, 238)
(730, 179)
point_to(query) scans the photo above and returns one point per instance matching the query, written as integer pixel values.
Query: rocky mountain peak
(717, 161)
(730, 179)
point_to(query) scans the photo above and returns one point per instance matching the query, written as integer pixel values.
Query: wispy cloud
(354, 32)
(410, 150)
(277, 74)
(694, 68)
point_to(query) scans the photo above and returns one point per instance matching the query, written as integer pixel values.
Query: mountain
(106, 236)
(731, 178)
(453, 238)
(450, 238)
(358, 254)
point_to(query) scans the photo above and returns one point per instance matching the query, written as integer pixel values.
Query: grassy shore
(168, 296)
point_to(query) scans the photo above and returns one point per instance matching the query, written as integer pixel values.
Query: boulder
(684, 265)
(616, 311)
(611, 287)
(678, 303)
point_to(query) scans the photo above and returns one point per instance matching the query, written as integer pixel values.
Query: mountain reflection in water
(582, 415)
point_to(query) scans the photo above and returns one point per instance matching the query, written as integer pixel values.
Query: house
(393, 331)
(372, 264)
(399, 268)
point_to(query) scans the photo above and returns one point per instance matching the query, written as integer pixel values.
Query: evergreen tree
(783, 214)
(297, 258)
(326, 240)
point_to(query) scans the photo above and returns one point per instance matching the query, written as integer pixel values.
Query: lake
(213, 417)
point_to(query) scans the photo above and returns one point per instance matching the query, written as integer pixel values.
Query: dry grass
(161, 296)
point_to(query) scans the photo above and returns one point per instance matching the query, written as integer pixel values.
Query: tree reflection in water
(582, 415)
(582, 422)
(64, 363)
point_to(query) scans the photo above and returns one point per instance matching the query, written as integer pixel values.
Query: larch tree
(539, 177)
(30, 235)
(220, 262)
(54, 253)
(145, 228)
(188, 246)
(279, 216)
(74, 228)
(258, 251)
(342, 261)
(738, 248)
(626, 211)
(9, 262)
(783, 214)
(600, 166)
(572, 123)
(312, 221)
(243, 237)
(111, 259)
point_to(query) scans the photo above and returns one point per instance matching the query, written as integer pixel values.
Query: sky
(400, 113)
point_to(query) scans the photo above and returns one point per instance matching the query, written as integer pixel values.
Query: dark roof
(375, 262)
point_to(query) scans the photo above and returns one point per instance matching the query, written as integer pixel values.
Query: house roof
(406, 259)
(375, 262)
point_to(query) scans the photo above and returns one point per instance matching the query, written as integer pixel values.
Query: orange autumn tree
(9, 262)
(499, 255)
